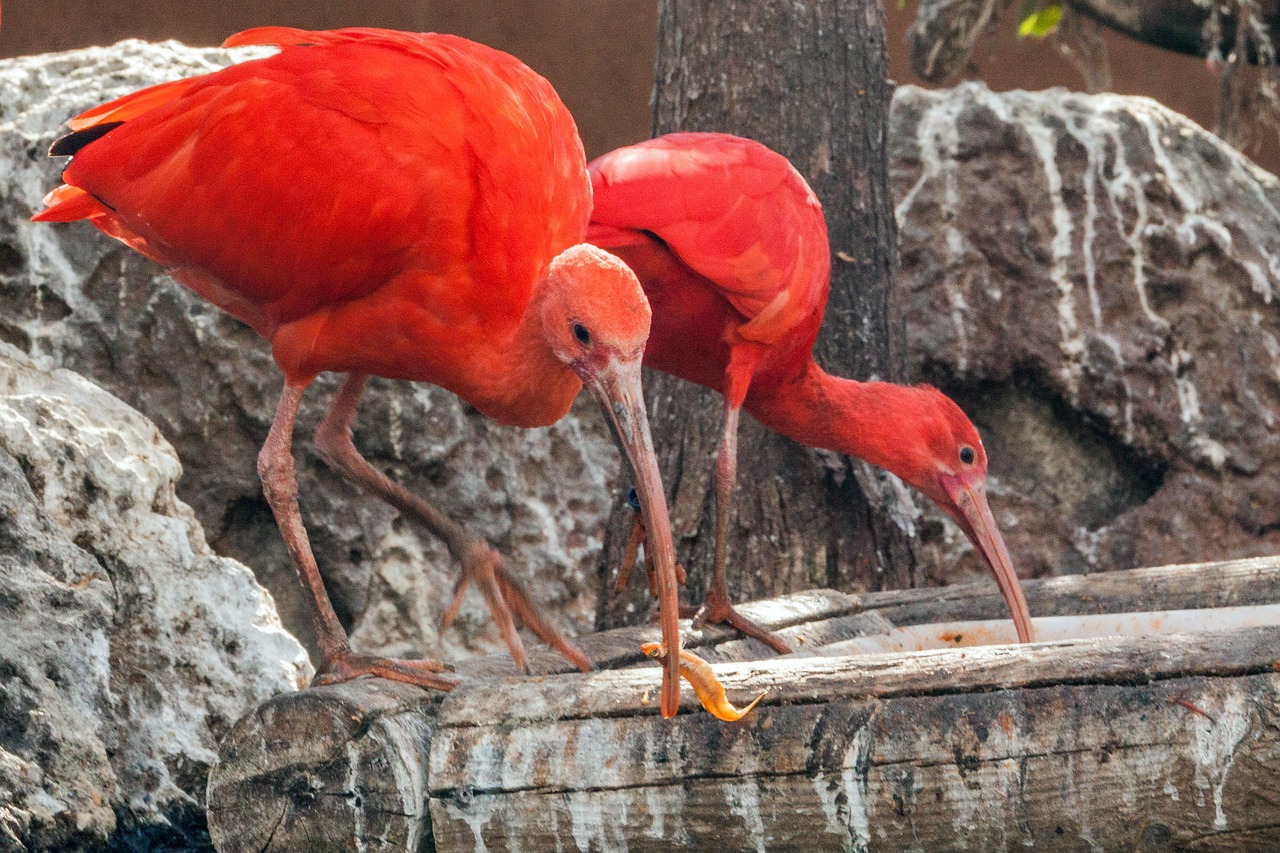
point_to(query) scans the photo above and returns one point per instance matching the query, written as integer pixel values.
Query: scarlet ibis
(403, 205)
(731, 247)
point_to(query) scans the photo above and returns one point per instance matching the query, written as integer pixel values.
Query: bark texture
(808, 80)
(1150, 742)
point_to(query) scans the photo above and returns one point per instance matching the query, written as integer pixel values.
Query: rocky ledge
(127, 646)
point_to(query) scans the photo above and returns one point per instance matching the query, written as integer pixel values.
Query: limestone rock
(127, 646)
(88, 303)
(1095, 279)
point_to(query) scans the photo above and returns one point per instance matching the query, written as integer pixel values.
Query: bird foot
(508, 600)
(345, 666)
(719, 611)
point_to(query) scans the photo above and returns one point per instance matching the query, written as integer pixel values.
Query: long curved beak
(969, 500)
(616, 387)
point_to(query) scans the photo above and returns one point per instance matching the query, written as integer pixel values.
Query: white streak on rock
(395, 428)
(938, 139)
(1072, 341)
(1089, 141)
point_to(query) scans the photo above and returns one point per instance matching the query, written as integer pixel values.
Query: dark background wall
(598, 53)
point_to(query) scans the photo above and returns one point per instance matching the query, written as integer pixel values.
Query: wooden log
(1249, 581)
(330, 768)
(992, 632)
(980, 771)
(804, 619)
(1149, 743)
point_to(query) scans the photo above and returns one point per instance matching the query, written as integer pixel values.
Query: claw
(508, 601)
(719, 611)
(423, 673)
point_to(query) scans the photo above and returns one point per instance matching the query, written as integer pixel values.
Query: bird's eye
(580, 332)
(967, 455)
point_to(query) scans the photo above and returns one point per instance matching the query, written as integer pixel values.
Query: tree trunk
(808, 80)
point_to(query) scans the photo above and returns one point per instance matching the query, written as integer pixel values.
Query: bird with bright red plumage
(394, 204)
(731, 247)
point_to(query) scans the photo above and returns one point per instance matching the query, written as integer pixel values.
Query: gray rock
(1094, 278)
(69, 294)
(127, 646)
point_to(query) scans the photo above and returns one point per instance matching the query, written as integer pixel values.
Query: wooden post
(1147, 743)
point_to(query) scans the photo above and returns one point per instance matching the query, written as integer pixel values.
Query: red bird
(392, 204)
(731, 248)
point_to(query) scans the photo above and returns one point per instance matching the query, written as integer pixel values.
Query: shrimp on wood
(702, 678)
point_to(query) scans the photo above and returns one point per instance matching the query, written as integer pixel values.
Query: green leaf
(1041, 22)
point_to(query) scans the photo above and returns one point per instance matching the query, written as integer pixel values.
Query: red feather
(348, 234)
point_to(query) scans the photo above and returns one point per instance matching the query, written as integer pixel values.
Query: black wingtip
(73, 142)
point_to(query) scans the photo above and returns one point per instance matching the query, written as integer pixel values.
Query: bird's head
(595, 319)
(937, 449)
(593, 310)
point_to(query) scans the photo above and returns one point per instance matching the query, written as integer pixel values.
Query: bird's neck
(524, 384)
(862, 419)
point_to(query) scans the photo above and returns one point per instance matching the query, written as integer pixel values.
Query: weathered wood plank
(330, 768)
(807, 639)
(1153, 742)
(1251, 581)
(990, 632)
(1139, 768)
(1097, 661)
(787, 614)
(1198, 585)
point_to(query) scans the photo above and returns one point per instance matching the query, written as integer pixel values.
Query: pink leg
(280, 485)
(717, 608)
(634, 540)
(506, 598)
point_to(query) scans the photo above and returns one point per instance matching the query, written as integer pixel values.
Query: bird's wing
(732, 210)
(312, 177)
(136, 103)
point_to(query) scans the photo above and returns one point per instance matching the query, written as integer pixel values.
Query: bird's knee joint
(479, 553)
(333, 443)
(277, 473)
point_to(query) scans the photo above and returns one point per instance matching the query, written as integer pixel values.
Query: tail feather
(67, 204)
(132, 105)
(65, 146)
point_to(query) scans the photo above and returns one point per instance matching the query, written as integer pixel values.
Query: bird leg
(481, 564)
(634, 540)
(629, 554)
(717, 608)
(280, 486)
